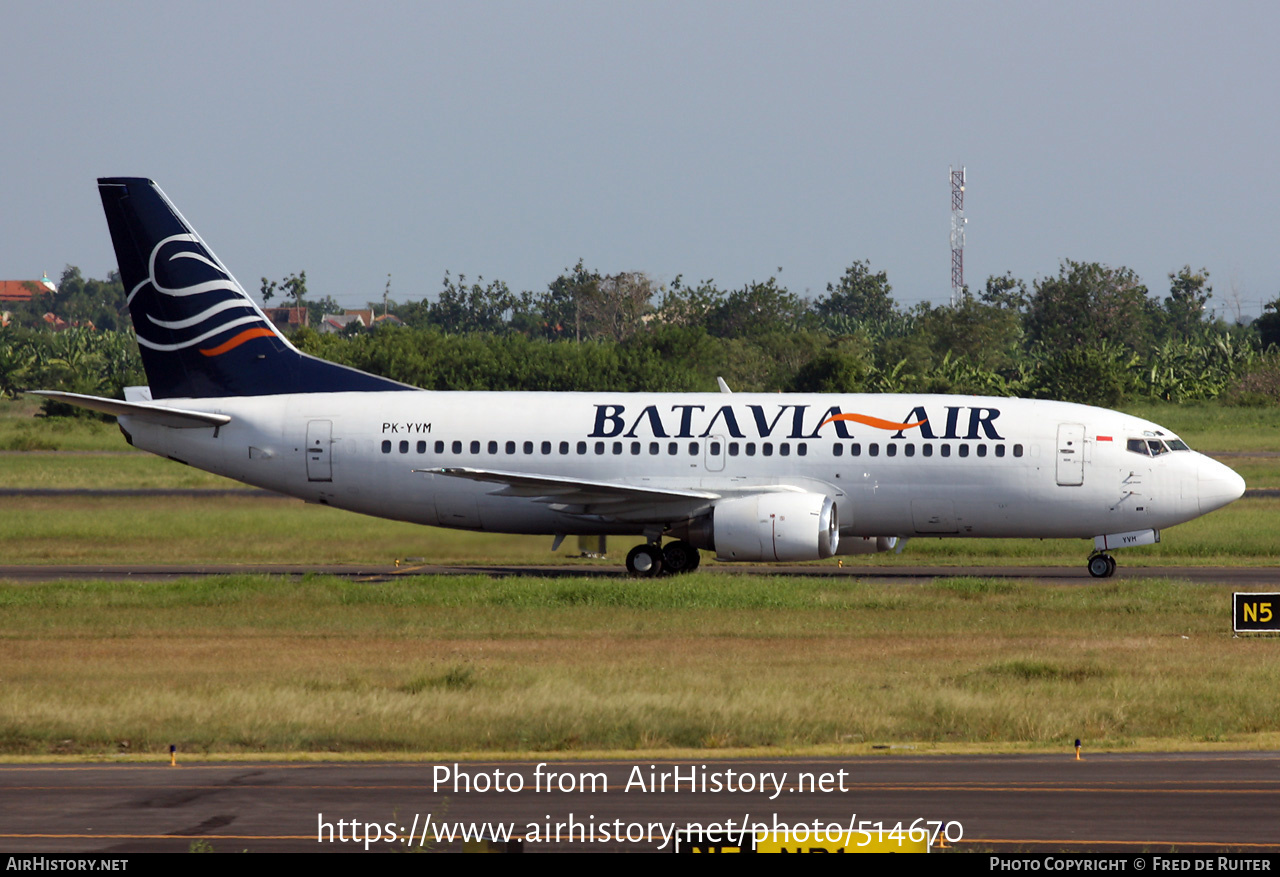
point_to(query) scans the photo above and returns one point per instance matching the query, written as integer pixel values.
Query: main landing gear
(1102, 566)
(651, 559)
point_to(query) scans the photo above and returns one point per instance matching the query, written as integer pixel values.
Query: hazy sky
(714, 140)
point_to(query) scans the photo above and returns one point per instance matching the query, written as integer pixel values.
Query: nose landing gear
(1102, 566)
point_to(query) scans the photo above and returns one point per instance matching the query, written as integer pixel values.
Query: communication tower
(957, 235)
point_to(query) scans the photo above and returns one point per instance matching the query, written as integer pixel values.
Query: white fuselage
(969, 466)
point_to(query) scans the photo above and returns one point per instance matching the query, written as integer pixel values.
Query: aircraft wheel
(645, 560)
(1101, 566)
(680, 557)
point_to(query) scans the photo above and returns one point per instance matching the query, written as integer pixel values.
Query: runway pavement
(1239, 576)
(1103, 803)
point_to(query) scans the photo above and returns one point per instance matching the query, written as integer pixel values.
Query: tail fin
(199, 333)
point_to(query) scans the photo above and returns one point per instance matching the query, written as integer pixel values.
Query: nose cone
(1218, 485)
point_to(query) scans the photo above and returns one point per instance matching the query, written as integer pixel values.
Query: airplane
(750, 476)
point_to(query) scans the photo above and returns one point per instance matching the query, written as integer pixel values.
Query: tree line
(1090, 333)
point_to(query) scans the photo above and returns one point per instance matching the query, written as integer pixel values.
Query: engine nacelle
(776, 526)
(866, 544)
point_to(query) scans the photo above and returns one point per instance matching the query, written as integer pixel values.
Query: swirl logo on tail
(189, 298)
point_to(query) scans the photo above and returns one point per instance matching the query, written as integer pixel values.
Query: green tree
(1089, 303)
(1006, 291)
(860, 295)
(1268, 325)
(560, 306)
(1184, 309)
(757, 309)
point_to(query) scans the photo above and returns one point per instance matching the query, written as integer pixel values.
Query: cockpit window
(1154, 447)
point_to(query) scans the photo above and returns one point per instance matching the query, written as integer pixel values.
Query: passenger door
(1070, 454)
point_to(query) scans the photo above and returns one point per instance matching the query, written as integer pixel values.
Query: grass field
(705, 662)
(471, 664)
(123, 530)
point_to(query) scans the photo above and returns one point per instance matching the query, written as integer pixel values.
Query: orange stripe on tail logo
(867, 420)
(237, 340)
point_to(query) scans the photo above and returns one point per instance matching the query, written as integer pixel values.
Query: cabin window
(733, 449)
(422, 447)
(475, 447)
(582, 447)
(493, 447)
(837, 450)
(386, 446)
(654, 449)
(784, 450)
(926, 450)
(564, 448)
(802, 450)
(999, 450)
(404, 447)
(909, 450)
(528, 447)
(873, 450)
(964, 450)
(693, 449)
(457, 447)
(946, 450)
(546, 447)
(1017, 450)
(766, 448)
(439, 447)
(617, 448)
(982, 450)
(891, 450)
(673, 448)
(635, 449)
(751, 449)
(855, 450)
(599, 447)
(715, 449)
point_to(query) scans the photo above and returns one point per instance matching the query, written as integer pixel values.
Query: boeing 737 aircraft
(752, 477)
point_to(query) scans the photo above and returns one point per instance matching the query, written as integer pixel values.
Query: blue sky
(713, 140)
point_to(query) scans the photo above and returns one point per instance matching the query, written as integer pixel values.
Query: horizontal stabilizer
(162, 415)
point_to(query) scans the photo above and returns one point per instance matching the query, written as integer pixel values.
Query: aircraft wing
(577, 495)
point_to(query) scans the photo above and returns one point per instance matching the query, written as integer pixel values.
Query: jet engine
(775, 526)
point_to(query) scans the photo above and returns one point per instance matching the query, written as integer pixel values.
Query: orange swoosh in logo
(867, 420)
(237, 340)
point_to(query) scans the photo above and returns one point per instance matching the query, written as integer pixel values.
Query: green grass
(1212, 426)
(126, 530)
(23, 428)
(449, 664)
(104, 470)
